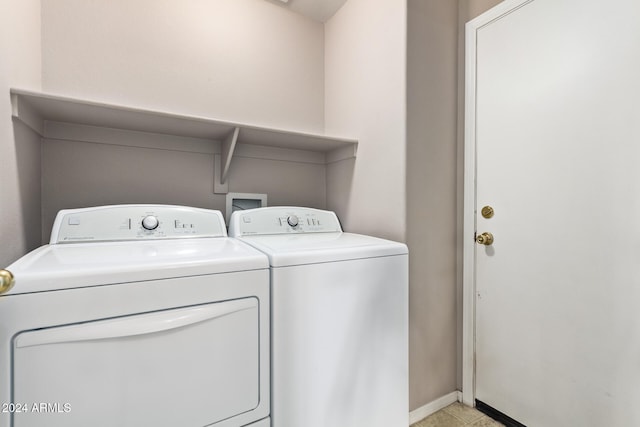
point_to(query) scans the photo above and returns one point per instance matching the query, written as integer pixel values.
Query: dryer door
(189, 366)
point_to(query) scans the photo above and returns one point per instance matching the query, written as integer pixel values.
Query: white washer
(339, 324)
(136, 315)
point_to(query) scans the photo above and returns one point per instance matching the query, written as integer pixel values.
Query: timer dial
(150, 222)
(292, 220)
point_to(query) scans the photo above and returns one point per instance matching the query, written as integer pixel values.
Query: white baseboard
(431, 407)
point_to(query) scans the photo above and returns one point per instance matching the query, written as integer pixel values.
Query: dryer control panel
(135, 222)
(282, 220)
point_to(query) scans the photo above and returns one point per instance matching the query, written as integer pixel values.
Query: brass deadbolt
(6, 281)
(487, 212)
(485, 239)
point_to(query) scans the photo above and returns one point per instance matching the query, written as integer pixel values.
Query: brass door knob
(6, 281)
(485, 239)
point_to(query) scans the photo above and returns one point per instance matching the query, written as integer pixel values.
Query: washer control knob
(150, 222)
(292, 220)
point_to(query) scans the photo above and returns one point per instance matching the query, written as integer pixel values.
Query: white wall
(248, 61)
(238, 60)
(365, 74)
(19, 155)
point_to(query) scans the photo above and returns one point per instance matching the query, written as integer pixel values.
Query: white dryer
(136, 315)
(339, 319)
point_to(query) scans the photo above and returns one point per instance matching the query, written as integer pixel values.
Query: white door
(554, 110)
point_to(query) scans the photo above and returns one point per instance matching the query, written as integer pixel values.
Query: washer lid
(55, 267)
(298, 249)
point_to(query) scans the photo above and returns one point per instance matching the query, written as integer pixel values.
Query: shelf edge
(22, 111)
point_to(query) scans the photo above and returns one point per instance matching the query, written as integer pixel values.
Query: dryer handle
(140, 324)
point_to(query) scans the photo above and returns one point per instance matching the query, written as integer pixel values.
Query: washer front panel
(340, 334)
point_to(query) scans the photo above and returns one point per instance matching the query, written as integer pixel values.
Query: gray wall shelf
(41, 112)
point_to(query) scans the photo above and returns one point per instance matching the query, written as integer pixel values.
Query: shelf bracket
(228, 147)
(222, 161)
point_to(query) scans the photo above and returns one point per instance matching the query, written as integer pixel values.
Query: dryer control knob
(150, 222)
(292, 220)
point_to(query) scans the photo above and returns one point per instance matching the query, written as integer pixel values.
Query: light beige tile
(440, 419)
(486, 422)
(463, 412)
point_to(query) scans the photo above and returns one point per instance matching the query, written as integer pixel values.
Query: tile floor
(457, 415)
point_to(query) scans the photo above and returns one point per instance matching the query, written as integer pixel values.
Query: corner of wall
(365, 99)
(20, 40)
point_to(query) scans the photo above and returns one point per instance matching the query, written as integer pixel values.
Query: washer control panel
(282, 220)
(135, 222)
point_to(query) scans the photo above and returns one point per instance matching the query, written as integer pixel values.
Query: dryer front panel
(188, 366)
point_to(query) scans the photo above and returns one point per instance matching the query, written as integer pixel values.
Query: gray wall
(76, 173)
(19, 146)
(435, 129)
(431, 202)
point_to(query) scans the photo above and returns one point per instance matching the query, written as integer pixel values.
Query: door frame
(469, 198)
